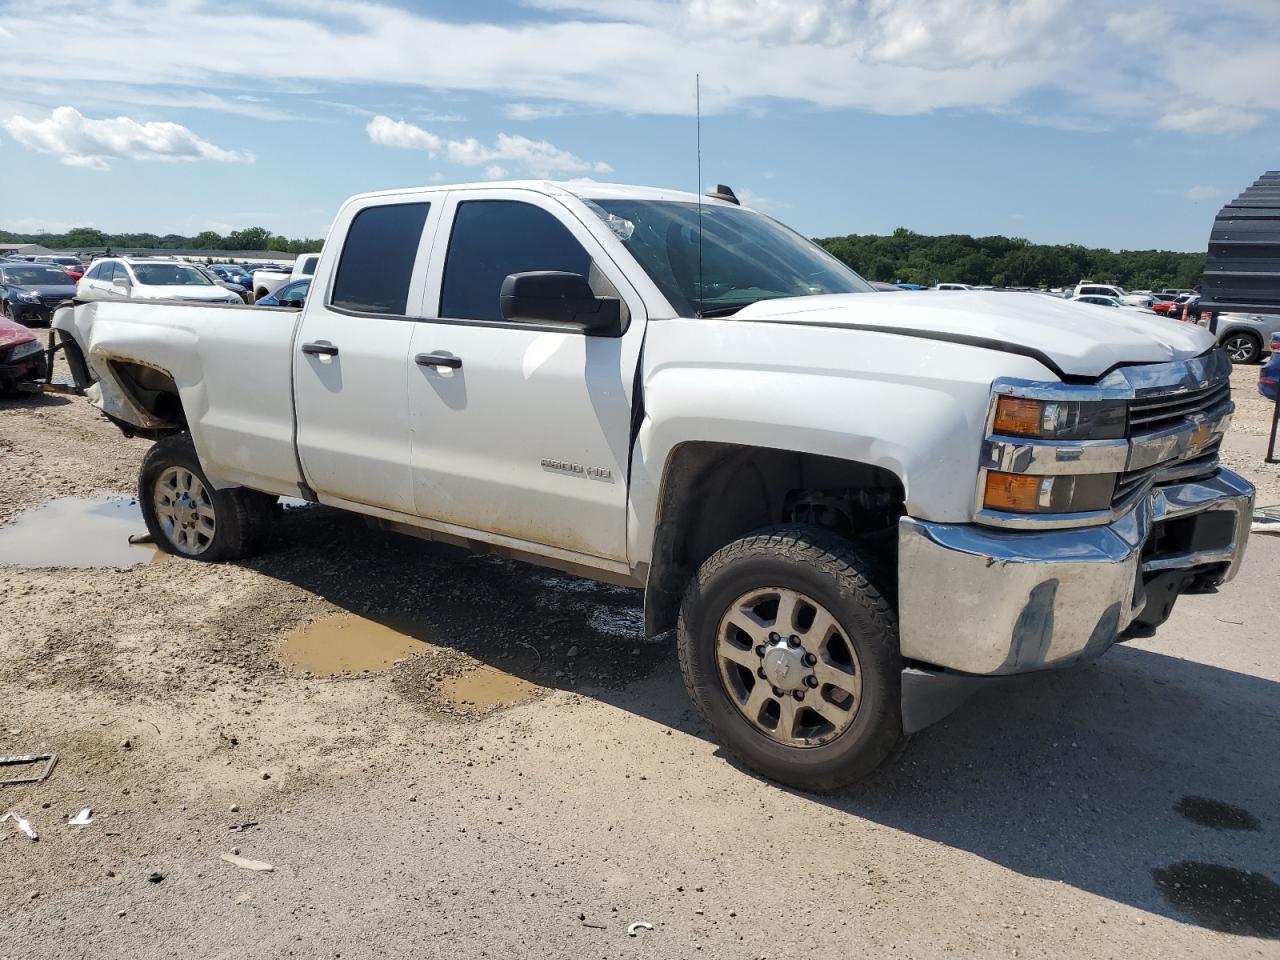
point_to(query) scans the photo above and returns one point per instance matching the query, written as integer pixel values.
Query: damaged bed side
(152, 368)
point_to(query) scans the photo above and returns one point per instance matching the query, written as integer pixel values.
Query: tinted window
(377, 259)
(494, 238)
(107, 271)
(309, 263)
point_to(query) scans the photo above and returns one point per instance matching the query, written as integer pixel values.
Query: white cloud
(1201, 193)
(534, 111)
(494, 172)
(82, 142)
(537, 157)
(1090, 59)
(397, 133)
(1212, 119)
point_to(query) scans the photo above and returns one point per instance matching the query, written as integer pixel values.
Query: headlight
(29, 297)
(1060, 419)
(22, 350)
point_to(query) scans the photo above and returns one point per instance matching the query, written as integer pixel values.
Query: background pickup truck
(267, 282)
(853, 507)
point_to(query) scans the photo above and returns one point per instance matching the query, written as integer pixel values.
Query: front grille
(1164, 410)
(1156, 412)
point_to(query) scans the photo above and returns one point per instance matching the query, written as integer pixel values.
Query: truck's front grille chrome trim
(1177, 415)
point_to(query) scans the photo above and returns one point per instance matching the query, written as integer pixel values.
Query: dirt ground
(519, 773)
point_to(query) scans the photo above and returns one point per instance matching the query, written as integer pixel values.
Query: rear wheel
(1242, 347)
(791, 654)
(187, 517)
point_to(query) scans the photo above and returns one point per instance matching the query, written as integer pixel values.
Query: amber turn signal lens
(1016, 417)
(1015, 492)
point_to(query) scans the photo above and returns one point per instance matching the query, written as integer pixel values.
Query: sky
(1116, 123)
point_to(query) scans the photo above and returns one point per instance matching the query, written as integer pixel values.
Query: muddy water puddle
(487, 687)
(76, 532)
(349, 644)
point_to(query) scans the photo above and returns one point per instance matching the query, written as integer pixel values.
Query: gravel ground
(1073, 815)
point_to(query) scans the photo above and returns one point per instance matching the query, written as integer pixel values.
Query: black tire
(1242, 346)
(827, 568)
(243, 517)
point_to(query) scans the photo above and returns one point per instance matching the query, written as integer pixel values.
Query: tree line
(89, 238)
(903, 256)
(908, 257)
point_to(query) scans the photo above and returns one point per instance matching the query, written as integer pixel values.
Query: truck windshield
(170, 275)
(745, 256)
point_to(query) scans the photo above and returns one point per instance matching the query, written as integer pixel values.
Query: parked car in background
(268, 281)
(22, 358)
(292, 294)
(120, 278)
(1100, 301)
(230, 273)
(30, 291)
(912, 286)
(238, 289)
(1269, 372)
(1087, 289)
(951, 286)
(1245, 336)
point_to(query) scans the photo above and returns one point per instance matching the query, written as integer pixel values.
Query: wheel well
(153, 391)
(714, 493)
(1238, 332)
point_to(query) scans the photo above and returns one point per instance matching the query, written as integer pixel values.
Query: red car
(22, 359)
(1167, 309)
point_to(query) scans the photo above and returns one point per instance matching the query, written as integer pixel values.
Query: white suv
(150, 280)
(1111, 290)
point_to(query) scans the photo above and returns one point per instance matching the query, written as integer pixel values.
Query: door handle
(320, 349)
(436, 360)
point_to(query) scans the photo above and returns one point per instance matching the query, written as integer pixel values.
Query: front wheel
(790, 653)
(187, 517)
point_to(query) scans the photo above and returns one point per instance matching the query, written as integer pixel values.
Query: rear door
(526, 434)
(351, 357)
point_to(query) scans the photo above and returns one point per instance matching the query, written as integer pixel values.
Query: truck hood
(211, 292)
(1076, 339)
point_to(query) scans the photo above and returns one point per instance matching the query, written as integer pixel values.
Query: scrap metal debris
(22, 823)
(48, 759)
(244, 863)
(81, 819)
(1266, 520)
(638, 925)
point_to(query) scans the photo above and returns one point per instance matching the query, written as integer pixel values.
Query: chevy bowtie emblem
(1203, 432)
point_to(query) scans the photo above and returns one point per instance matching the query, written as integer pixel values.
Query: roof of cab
(589, 189)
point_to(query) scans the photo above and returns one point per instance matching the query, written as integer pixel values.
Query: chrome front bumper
(996, 602)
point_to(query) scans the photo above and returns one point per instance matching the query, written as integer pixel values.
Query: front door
(521, 430)
(351, 359)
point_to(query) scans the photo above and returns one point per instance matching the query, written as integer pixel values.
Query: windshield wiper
(724, 311)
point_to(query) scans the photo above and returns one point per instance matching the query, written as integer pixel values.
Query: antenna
(697, 99)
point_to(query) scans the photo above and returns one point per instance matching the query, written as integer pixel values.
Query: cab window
(492, 239)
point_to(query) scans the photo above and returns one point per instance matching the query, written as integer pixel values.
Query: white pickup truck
(853, 507)
(267, 282)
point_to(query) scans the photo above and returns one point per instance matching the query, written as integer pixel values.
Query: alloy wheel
(789, 667)
(184, 507)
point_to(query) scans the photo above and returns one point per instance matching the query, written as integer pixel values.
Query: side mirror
(124, 283)
(552, 296)
(291, 303)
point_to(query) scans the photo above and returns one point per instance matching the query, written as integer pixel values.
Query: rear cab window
(375, 269)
